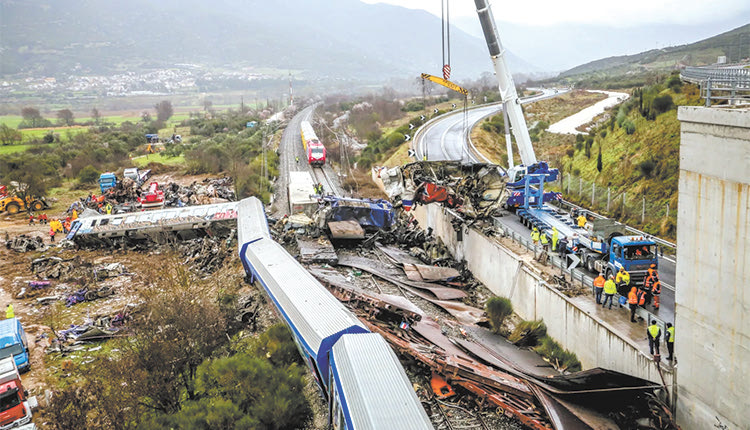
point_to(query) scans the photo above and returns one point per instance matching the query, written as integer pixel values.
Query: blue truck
(13, 343)
(600, 245)
(107, 180)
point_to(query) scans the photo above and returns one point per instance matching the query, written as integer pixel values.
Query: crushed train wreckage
(473, 190)
(515, 381)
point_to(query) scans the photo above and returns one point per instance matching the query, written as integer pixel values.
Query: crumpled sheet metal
(424, 273)
(337, 280)
(377, 269)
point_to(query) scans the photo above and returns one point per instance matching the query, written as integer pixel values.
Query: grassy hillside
(488, 136)
(640, 69)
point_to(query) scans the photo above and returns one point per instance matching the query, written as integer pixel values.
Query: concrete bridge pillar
(712, 303)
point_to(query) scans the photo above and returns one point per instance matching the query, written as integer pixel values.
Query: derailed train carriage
(356, 371)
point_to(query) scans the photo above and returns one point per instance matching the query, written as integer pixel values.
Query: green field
(10, 149)
(143, 160)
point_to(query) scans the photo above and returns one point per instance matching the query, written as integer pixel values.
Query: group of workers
(55, 225)
(637, 296)
(542, 237)
(653, 333)
(318, 189)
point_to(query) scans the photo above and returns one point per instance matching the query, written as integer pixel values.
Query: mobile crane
(599, 244)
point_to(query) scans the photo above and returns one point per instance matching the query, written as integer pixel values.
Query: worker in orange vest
(656, 291)
(633, 301)
(599, 288)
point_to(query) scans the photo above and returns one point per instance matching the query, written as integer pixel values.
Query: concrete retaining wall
(594, 342)
(712, 319)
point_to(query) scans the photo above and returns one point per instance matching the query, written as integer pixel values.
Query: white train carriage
(316, 318)
(368, 388)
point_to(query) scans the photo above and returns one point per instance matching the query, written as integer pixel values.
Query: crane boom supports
(507, 87)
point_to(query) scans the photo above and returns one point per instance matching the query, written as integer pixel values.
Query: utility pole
(291, 94)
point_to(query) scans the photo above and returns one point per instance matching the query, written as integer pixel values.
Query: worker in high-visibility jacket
(656, 292)
(9, 313)
(610, 289)
(581, 220)
(623, 282)
(670, 341)
(633, 301)
(555, 238)
(544, 240)
(599, 288)
(653, 332)
(535, 235)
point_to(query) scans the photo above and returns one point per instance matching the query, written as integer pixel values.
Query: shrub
(628, 126)
(674, 83)
(646, 167)
(562, 359)
(88, 175)
(528, 333)
(662, 104)
(498, 309)
(413, 106)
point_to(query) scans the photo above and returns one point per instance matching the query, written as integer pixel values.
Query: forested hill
(335, 38)
(734, 44)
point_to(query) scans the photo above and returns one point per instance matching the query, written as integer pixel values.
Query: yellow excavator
(14, 204)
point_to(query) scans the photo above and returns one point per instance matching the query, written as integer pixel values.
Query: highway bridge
(730, 82)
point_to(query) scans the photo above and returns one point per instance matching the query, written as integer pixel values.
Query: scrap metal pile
(124, 197)
(475, 191)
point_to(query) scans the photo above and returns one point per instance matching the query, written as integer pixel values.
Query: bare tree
(164, 110)
(65, 116)
(96, 115)
(32, 115)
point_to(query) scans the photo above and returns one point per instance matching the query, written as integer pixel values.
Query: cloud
(620, 14)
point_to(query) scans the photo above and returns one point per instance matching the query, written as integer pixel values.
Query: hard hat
(611, 276)
(622, 269)
(653, 266)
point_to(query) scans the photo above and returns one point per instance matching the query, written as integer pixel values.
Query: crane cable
(445, 32)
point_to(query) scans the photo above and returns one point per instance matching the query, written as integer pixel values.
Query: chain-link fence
(655, 218)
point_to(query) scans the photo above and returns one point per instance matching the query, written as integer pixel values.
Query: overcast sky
(619, 13)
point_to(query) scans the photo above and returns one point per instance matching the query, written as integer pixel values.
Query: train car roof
(253, 225)
(373, 388)
(313, 314)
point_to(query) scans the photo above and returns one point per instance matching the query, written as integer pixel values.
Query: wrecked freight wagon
(475, 191)
(350, 218)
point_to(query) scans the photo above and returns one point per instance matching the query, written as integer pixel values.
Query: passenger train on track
(357, 372)
(314, 150)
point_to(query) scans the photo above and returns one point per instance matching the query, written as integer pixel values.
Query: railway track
(329, 186)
